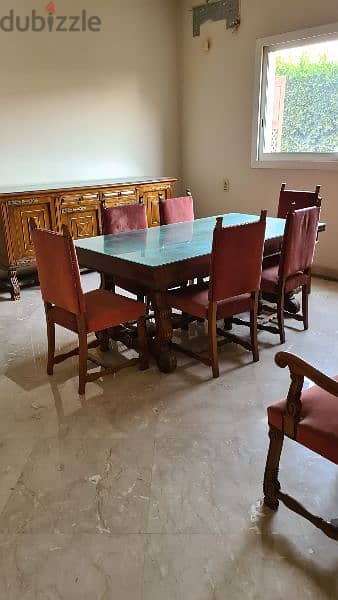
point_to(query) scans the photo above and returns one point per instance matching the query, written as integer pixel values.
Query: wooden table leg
(166, 358)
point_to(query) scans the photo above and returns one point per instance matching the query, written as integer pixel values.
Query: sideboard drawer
(119, 196)
(79, 200)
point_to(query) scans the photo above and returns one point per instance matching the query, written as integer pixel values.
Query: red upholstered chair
(294, 268)
(235, 274)
(291, 200)
(295, 199)
(120, 219)
(68, 306)
(176, 210)
(126, 217)
(310, 418)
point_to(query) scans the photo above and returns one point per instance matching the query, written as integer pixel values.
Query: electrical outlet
(226, 186)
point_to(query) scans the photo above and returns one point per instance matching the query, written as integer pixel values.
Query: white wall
(217, 104)
(80, 106)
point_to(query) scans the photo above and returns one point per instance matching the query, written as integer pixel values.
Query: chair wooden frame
(272, 489)
(281, 294)
(214, 331)
(214, 344)
(312, 199)
(82, 350)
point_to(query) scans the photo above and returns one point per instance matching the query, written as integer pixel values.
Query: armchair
(310, 417)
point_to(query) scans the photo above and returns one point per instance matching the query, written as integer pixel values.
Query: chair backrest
(176, 210)
(127, 217)
(58, 269)
(236, 259)
(294, 200)
(299, 241)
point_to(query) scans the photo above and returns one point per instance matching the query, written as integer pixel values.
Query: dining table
(159, 258)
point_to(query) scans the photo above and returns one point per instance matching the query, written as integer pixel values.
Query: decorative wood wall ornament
(216, 11)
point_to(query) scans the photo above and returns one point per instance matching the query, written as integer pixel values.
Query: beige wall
(217, 116)
(90, 105)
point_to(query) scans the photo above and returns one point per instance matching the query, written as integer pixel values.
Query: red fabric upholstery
(297, 252)
(61, 286)
(295, 200)
(58, 270)
(318, 429)
(103, 310)
(269, 281)
(194, 300)
(299, 241)
(120, 219)
(236, 260)
(177, 210)
(128, 217)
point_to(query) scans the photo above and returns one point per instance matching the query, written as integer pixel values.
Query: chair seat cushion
(194, 300)
(318, 428)
(269, 281)
(103, 310)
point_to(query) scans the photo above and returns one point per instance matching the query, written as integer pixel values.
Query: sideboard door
(151, 199)
(81, 214)
(19, 214)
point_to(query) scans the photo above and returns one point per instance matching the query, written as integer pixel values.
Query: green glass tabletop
(167, 244)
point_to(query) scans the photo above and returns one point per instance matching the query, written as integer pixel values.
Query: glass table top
(167, 244)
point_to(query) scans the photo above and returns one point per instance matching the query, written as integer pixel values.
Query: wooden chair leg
(83, 358)
(305, 306)
(212, 339)
(253, 330)
(51, 346)
(280, 317)
(143, 344)
(271, 484)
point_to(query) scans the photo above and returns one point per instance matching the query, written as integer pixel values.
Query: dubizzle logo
(52, 23)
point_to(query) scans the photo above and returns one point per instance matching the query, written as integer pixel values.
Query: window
(296, 100)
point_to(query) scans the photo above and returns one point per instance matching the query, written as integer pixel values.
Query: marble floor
(150, 487)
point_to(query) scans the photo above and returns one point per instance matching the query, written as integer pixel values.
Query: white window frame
(285, 160)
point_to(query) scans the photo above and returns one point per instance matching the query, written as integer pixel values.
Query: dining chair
(295, 200)
(292, 200)
(233, 288)
(121, 219)
(310, 418)
(125, 217)
(83, 313)
(294, 268)
(176, 210)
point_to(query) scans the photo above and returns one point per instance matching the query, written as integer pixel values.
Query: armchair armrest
(302, 369)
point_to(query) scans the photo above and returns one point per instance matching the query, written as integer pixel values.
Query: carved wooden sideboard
(78, 205)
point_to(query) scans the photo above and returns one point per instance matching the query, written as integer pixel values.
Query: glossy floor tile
(150, 486)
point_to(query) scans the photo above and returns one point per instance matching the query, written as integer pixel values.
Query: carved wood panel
(82, 223)
(19, 216)
(152, 201)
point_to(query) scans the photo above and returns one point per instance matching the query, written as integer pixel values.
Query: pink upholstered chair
(120, 219)
(309, 417)
(294, 268)
(235, 274)
(176, 210)
(67, 305)
(126, 217)
(295, 200)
